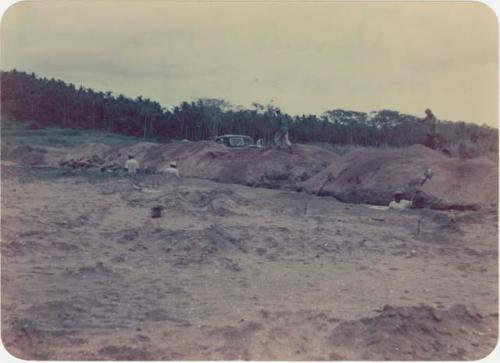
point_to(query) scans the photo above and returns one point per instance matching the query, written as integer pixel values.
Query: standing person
(131, 165)
(431, 122)
(281, 136)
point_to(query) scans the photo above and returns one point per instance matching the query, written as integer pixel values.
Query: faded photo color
(249, 180)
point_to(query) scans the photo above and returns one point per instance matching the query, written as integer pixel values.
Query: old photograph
(249, 180)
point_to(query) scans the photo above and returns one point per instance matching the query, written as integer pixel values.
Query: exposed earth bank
(363, 175)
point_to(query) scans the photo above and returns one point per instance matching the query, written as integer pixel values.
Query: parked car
(235, 140)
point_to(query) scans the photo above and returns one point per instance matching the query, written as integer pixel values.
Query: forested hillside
(49, 102)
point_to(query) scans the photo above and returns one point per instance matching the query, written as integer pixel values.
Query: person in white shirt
(131, 165)
(399, 202)
(171, 170)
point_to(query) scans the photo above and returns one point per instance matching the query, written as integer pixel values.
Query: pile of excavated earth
(372, 176)
(417, 333)
(363, 175)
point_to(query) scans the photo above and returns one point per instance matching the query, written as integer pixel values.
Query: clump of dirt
(163, 315)
(58, 314)
(218, 202)
(236, 339)
(186, 248)
(372, 176)
(99, 268)
(16, 248)
(416, 333)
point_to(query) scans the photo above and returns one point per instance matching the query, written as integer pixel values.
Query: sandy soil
(235, 272)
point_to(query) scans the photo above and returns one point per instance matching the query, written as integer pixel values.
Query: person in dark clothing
(281, 137)
(431, 123)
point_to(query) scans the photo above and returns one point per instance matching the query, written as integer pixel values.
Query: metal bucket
(157, 211)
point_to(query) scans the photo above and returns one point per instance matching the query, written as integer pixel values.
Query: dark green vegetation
(42, 102)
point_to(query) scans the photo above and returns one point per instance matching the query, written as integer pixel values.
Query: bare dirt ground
(235, 272)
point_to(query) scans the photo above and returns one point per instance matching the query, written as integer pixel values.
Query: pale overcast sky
(306, 57)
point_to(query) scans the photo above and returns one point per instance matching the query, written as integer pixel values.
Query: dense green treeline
(48, 102)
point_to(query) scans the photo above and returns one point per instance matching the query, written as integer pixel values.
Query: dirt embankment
(268, 167)
(372, 176)
(415, 333)
(361, 176)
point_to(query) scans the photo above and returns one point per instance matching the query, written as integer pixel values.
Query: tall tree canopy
(49, 102)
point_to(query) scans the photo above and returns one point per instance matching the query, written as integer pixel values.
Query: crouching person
(171, 170)
(399, 202)
(166, 173)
